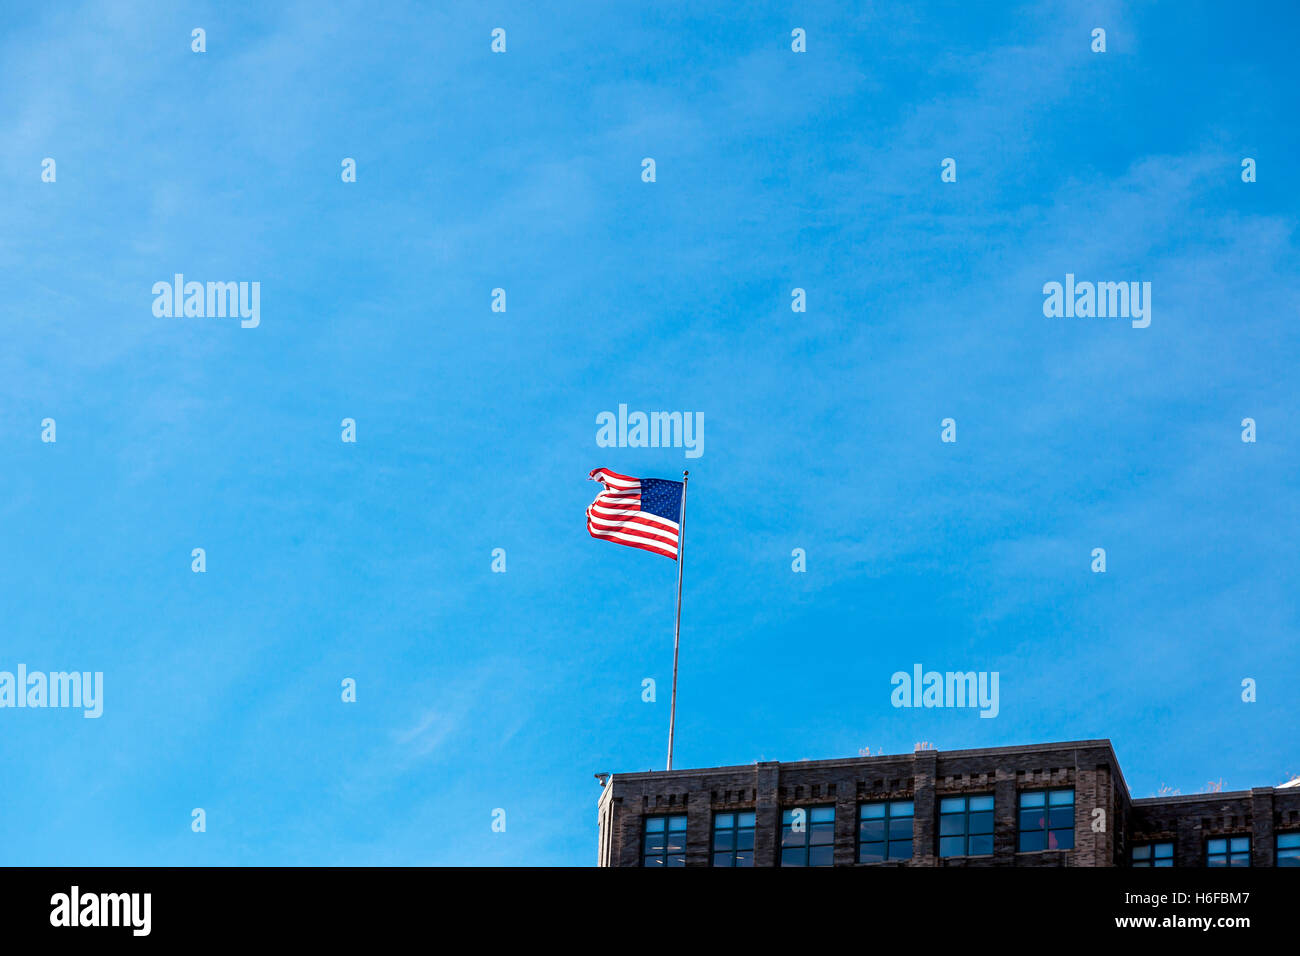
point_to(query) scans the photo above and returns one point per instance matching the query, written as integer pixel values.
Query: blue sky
(476, 429)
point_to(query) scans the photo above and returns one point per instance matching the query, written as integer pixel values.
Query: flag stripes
(635, 512)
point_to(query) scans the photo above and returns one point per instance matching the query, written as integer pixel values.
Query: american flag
(638, 512)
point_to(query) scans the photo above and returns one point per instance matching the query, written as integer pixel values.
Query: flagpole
(677, 631)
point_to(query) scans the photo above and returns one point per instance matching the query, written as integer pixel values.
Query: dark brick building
(1060, 804)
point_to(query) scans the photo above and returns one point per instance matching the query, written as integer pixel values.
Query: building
(1063, 804)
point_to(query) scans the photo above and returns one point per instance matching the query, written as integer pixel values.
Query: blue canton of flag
(662, 498)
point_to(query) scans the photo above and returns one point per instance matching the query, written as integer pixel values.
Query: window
(885, 831)
(966, 826)
(1153, 854)
(1228, 851)
(664, 843)
(1288, 849)
(808, 837)
(733, 839)
(1046, 820)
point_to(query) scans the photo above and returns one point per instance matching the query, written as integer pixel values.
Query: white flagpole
(677, 631)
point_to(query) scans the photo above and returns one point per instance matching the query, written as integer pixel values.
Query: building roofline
(861, 761)
(1198, 797)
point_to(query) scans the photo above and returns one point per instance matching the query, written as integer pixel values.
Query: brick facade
(1089, 767)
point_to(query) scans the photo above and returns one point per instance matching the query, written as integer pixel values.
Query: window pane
(677, 860)
(722, 840)
(793, 857)
(1059, 798)
(1163, 850)
(1218, 846)
(952, 804)
(1032, 799)
(1240, 843)
(981, 803)
(654, 861)
(981, 822)
(822, 833)
(903, 808)
(1142, 852)
(981, 845)
(676, 842)
(722, 859)
(744, 859)
(787, 816)
(654, 825)
(871, 831)
(952, 824)
(902, 850)
(870, 811)
(821, 856)
(952, 846)
(1031, 820)
(745, 819)
(724, 821)
(1060, 817)
(871, 853)
(744, 839)
(1164, 863)
(1240, 859)
(1217, 861)
(790, 838)
(1030, 841)
(822, 815)
(1060, 839)
(1288, 840)
(676, 823)
(654, 842)
(901, 829)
